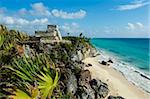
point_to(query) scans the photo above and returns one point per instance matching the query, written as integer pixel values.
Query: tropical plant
(2, 39)
(47, 84)
(34, 69)
(19, 94)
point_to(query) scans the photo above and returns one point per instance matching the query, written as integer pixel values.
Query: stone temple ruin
(49, 38)
(51, 35)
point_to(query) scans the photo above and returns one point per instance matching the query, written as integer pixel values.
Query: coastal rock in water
(115, 97)
(104, 63)
(72, 84)
(110, 61)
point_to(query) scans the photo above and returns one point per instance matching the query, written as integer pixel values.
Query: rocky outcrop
(91, 88)
(110, 61)
(76, 81)
(80, 55)
(100, 88)
(72, 84)
(104, 63)
(84, 53)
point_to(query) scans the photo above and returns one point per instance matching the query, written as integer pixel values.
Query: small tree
(68, 34)
(81, 34)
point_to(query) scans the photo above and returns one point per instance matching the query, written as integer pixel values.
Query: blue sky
(94, 18)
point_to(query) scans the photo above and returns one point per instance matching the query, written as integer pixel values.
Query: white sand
(117, 83)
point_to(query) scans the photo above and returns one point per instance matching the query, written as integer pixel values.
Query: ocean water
(131, 57)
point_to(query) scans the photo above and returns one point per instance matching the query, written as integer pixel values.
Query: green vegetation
(24, 77)
(37, 74)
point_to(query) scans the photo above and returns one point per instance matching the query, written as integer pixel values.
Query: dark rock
(110, 61)
(104, 63)
(88, 93)
(88, 65)
(145, 76)
(84, 79)
(103, 91)
(115, 97)
(100, 88)
(93, 84)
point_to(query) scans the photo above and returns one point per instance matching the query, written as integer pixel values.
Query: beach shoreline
(117, 82)
(132, 73)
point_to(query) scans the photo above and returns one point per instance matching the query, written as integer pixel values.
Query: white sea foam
(131, 73)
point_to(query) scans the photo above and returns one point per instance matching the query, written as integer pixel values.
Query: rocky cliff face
(84, 53)
(75, 81)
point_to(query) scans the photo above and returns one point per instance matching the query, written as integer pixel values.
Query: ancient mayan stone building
(52, 34)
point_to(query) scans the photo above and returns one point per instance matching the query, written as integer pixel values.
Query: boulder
(93, 52)
(100, 88)
(104, 63)
(80, 55)
(102, 91)
(88, 65)
(88, 93)
(85, 77)
(110, 61)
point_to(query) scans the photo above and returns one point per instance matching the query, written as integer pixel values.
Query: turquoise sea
(133, 51)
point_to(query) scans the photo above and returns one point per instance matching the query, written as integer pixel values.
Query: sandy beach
(117, 83)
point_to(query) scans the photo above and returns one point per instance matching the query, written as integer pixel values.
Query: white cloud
(133, 5)
(39, 9)
(39, 21)
(71, 28)
(13, 21)
(66, 15)
(131, 26)
(135, 26)
(140, 25)
(8, 20)
(22, 21)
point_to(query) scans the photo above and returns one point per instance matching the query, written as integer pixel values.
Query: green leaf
(19, 94)
(47, 84)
